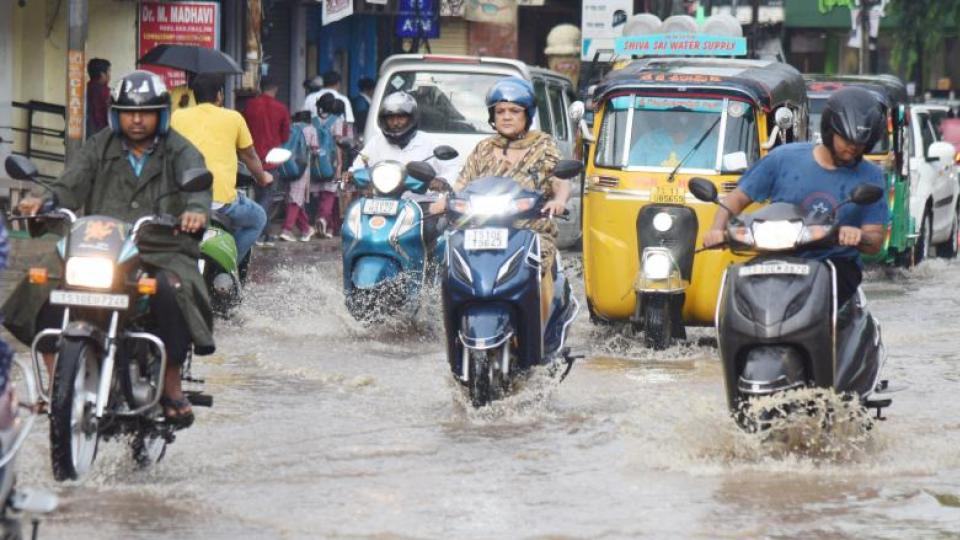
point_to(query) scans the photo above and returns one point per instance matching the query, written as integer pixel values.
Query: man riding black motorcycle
(819, 178)
(129, 172)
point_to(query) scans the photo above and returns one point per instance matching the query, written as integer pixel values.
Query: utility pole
(755, 26)
(864, 23)
(76, 98)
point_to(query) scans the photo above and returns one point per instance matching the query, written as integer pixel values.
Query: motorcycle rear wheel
(73, 447)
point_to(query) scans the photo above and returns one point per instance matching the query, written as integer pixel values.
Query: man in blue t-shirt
(819, 178)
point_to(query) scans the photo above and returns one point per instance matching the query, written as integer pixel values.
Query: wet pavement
(324, 428)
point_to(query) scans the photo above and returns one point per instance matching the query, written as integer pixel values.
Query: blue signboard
(418, 19)
(681, 45)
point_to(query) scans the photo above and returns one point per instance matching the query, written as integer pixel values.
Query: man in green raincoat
(122, 173)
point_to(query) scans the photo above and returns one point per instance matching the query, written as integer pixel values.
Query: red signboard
(177, 23)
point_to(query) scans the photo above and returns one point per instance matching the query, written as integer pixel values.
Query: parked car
(934, 190)
(450, 91)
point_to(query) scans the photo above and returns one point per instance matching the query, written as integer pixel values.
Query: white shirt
(420, 148)
(310, 104)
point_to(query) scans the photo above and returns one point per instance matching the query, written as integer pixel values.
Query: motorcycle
(13, 432)
(385, 256)
(778, 323)
(491, 287)
(221, 271)
(108, 375)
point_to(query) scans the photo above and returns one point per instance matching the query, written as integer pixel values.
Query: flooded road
(325, 429)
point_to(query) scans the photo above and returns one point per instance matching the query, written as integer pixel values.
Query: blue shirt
(790, 174)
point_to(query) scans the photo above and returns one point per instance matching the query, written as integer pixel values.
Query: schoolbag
(322, 165)
(292, 169)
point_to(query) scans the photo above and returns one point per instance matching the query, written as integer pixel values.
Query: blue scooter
(386, 257)
(491, 287)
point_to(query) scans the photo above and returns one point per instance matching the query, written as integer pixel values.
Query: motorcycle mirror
(20, 168)
(703, 190)
(445, 152)
(197, 179)
(567, 168)
(421, 170)
(278, 155)
(866, 194)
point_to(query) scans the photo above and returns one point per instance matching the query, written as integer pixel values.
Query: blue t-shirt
(790, 174)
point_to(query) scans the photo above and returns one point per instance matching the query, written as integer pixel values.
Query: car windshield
(659, 132)
(816, 113)
(450, 102)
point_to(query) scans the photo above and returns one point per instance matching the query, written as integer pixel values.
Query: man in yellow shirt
(222, 135)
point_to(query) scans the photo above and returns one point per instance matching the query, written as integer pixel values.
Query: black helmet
(399, 103)
(140, 91)
(855, 114)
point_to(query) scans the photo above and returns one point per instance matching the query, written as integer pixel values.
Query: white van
(450, 92)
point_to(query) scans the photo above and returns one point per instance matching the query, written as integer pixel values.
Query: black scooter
(778, 323)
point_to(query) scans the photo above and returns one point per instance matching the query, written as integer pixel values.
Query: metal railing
(33, 128)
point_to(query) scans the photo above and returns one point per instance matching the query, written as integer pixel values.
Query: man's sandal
(179, 419)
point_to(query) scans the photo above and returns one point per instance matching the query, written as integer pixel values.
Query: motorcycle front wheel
(73, 437)
(487, 383)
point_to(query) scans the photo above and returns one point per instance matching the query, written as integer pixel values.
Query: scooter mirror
(421, 170)
(703, 190)
(866, 194)
(445, 152)
(20, 168)
(567, 168)
(278, 155)
(197, 179)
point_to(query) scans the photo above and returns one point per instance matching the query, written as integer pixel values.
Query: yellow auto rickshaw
(660, 122)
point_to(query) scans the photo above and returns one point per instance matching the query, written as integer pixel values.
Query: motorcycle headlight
(387, 176)
(657, 265)
(353, 219)
(89, 272)
(491, 205)
(775, 235)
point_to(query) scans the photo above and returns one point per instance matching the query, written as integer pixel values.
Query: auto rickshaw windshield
(816, 113)
(659, 132)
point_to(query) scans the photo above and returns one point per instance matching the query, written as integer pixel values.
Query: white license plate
(774, 268)
(380, 207)
(484, 239)
(85, 299)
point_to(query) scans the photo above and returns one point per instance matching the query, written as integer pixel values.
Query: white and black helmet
(399, 103)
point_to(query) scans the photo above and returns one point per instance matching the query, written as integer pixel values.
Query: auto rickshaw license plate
(484, 239)
(85, 299)
(380, 207)
(668, 195)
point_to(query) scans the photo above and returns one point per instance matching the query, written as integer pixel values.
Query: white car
(934, 188)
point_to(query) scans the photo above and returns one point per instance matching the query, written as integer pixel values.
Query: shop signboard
(680, 44)
(418, 19)
(180, 23)
(334, 10)
(602, 24)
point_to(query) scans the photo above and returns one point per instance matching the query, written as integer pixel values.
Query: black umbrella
(191, 58)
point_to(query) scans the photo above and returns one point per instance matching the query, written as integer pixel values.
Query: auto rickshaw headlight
(657, 264)
(662, 222)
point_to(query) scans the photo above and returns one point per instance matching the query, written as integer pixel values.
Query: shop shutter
(453, 37)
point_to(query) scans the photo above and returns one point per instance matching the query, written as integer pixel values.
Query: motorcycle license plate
(87, 299)
(380, 207)
(668, 195)
(485, 239)
(768, 269)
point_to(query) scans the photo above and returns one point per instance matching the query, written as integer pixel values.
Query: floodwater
(325, 429)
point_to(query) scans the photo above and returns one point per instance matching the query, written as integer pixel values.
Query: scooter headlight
(776, 235)
(387, 176)
(89, 272)
(491, 205)
(353, 219)
(657, 265)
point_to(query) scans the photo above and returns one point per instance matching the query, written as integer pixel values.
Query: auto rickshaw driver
(674, 136)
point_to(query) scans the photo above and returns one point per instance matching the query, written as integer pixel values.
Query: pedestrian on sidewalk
(269, 123)
(299, 189)
(362, 103)
(330, 128)
(331, 85)
(98, 95)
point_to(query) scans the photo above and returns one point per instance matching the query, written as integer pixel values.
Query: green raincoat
(101, 180)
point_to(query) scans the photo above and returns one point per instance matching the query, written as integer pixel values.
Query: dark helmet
(140, 91)
(395, 104)
(512, 90)
(855, 114)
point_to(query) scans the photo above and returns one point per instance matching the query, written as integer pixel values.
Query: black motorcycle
(109, 370)
(778, 323)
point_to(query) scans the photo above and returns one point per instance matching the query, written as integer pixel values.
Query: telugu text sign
(182, 23)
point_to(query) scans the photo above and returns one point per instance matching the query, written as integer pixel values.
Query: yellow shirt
(218, 133)
(181, 93)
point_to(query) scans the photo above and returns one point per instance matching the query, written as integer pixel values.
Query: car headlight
(353, 219)
(387, 176)
(89, 272)
(776, 234)
(662, 221)
(657, 265)
(491, 205)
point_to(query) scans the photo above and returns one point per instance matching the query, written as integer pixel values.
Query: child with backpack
(328, 162)
(304, 144)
